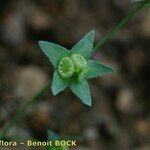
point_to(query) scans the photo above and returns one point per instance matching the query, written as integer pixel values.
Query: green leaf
(97, 69)
(85, 45)
(52, 136)
(53, 51)
(58, 148)
(58, 83)
(81, 89)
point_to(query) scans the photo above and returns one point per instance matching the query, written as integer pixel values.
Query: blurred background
(119, 118)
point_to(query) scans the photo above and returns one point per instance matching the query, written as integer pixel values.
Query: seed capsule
(66, 67)
(75, 65)
(82, 74)
(79, 62)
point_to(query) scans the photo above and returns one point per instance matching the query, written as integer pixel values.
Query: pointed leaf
(52, 136)
(53, 51)
(58, 148)
(97, 69)
(85, 45)
(58, 83)
(81, 89)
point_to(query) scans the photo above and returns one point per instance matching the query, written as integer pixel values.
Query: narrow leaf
(97, 69)
(81, 89)
(85, 45)
(58, 83)
(58, 148)
(53, 51)
(52, 136)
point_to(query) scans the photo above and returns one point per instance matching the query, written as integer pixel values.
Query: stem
(108, 36)
(118, 27)
(22, 110)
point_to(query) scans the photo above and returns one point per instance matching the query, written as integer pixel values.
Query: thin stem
(108, 36)
(118, 27)
(22, 110)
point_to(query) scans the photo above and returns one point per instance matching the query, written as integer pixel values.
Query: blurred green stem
(120, 25)
(22, 110)
(108, 36)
